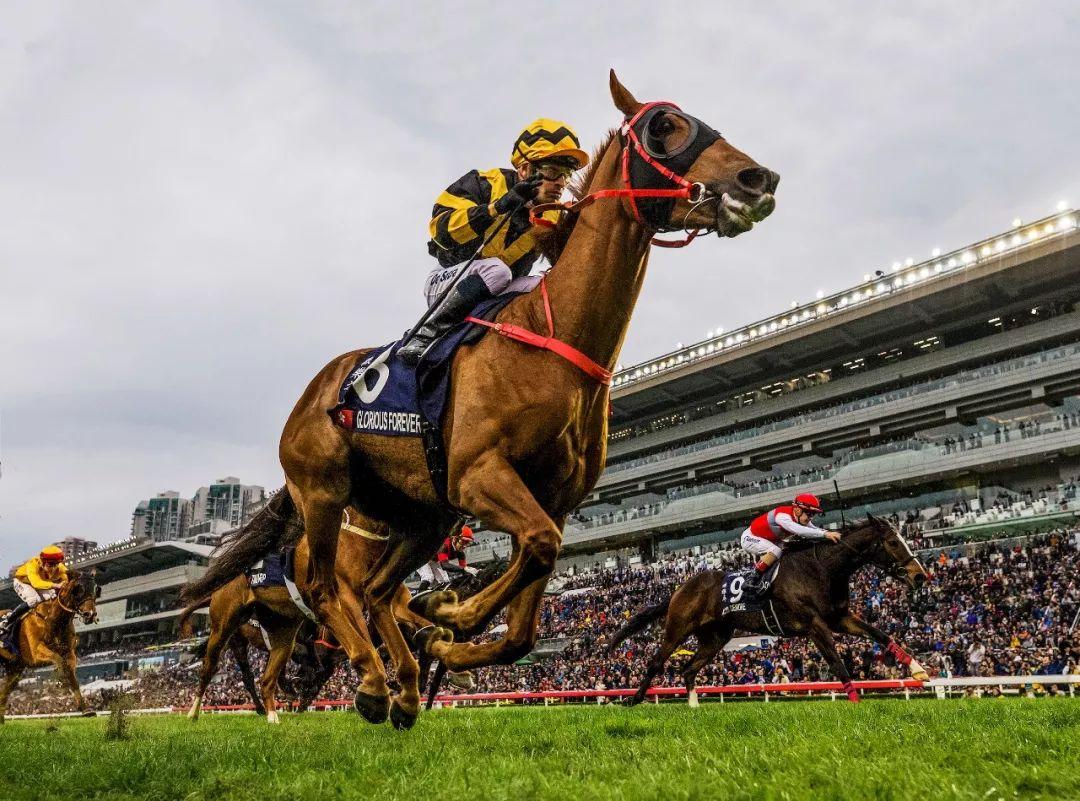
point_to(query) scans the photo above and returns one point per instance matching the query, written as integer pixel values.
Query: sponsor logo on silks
(398, 422)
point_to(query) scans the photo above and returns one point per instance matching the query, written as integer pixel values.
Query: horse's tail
(183, 623)
(639, 622)
(275, 525)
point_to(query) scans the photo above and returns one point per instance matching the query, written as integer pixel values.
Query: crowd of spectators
(999, 608)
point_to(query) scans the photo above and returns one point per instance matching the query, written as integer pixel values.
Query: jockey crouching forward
(765, 537)
(35, 581)
(433, 574)
(472, 209)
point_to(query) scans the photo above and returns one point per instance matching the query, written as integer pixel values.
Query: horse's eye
(662, 125)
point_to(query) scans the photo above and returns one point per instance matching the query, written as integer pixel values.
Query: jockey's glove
(520, 194)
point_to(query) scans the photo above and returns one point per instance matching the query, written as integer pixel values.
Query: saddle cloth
(737, 596)
(278, 570)
(395, 399)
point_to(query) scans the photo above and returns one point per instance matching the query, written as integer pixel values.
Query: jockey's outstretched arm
(788, 524)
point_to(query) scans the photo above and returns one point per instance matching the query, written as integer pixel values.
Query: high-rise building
(228, 500)
(74, 547)
(165, 517)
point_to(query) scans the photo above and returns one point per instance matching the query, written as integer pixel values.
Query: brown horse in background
(46, 635)
(811, 597)
(525, 431)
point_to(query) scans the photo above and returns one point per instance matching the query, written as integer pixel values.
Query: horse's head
(79, 595)
(893, 555)
(730, 191)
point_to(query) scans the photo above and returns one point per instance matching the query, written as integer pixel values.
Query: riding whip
(840, 503)
(382, 357)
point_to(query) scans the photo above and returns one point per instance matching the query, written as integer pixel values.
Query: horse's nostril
(756, 180)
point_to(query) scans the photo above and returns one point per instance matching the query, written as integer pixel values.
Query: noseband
(644, 162)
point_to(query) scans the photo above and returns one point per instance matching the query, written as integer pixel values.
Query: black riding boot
(461, 300)
(11, 618)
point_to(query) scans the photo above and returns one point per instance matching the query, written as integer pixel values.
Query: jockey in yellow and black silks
(473, 208)
(36, 580)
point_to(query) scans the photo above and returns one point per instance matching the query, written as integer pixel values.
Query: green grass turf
(880, 749)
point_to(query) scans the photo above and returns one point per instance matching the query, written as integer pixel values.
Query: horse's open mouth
(733, 217)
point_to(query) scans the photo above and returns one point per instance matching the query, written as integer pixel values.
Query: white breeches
(433, 572)
(31, 596)
(494, 273)
(758, 547)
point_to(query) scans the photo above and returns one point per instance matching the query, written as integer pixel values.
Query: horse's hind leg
(227, 612)
(710, 642)
(282, 634)
(10, 680)
(238, 647)
(676, 629)
(65, 666)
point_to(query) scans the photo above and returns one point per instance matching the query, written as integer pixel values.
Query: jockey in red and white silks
(767, 533)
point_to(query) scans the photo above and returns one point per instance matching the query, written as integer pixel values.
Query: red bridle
(695, 193)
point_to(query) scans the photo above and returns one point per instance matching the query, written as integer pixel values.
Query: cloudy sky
(200, 203)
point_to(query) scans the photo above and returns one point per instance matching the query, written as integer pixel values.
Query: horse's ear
(624, 101)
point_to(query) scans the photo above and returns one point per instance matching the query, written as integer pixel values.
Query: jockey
(765, 537)
(545, 155)
(433, 574)
(36, 581)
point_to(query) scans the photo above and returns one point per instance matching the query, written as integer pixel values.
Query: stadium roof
(1029, 261)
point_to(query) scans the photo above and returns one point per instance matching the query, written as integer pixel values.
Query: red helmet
(808, 502)
(50, 553)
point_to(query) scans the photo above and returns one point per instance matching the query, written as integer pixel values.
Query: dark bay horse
(46, 635)
(525, 431)
(811, 597)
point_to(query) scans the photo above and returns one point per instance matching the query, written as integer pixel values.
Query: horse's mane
(551, 241)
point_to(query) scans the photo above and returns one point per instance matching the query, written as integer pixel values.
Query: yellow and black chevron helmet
(545, 139)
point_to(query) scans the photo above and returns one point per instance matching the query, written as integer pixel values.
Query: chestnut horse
(810, 596)
(46, 635)
(525, 431)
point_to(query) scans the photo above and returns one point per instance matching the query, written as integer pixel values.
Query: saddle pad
(736, 596)
(396, 399)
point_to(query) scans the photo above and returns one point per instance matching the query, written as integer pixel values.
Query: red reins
(690, 191)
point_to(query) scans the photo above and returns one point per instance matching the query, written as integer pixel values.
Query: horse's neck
(843, 560)
(596, 281)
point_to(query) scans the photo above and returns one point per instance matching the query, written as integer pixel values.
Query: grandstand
(949, 389)
(945, 392)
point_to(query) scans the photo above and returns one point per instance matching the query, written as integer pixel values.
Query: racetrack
(881, 749)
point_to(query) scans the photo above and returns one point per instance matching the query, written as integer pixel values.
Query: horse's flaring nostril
(756, 180)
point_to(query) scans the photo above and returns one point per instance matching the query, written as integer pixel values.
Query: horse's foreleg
(10, 680)
(282, 635)
(522, 619)
(851, 624)
(65, 666)
(492, 490)
(823, 639)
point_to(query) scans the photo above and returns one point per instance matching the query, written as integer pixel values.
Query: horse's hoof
(401, 719)
(272, 717)
(634, 700)
(372, 708)
(428, 636)
(89, 713)
(920, 675)
(426, 604)
(462, 681)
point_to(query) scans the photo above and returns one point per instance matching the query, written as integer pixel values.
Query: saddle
(383, 395)
(278, 569)
(739, 594)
